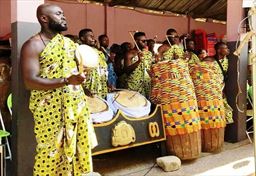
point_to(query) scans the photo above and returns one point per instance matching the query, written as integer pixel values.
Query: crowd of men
(123, 65)
(63, 129)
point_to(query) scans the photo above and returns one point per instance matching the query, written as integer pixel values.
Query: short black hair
(151, 40)
(169, 31)
(125, 46)
(102, 36)
(115, 48)
(83, 32)
(138, 34)
(189, 40)
(218, 44)
(199, 51)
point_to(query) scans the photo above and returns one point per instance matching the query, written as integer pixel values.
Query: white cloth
(131, 112)
(102, 116)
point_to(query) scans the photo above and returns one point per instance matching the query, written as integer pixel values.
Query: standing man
(97, 79)
(174, 51)
(221, 53)
(167, 44)
(151, 44)
(104, 43)
(136, 65)
(193, 58)
(57, 99)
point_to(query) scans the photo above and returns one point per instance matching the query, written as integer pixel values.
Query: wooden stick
(104, 50)
(168, 39)
(134, 41)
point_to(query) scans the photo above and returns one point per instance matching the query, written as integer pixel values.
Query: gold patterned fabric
(61, 116)
(173, 88)
(193, 59)
(139, 80)
(208, 89)
(97, 79)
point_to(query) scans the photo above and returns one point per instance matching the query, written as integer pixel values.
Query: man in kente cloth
(96, 81)
(193, 58)
(137, 62)
(57, 98)
(170, 47)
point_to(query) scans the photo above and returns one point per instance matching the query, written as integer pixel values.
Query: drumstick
(155, 38)
(105, 51)
(134, 41)
(115, 97)
(168, 39)
(132, 96)
(185, 43)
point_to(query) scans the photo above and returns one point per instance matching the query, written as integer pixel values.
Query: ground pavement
(235, 160)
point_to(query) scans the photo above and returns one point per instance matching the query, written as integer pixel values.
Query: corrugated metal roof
(215, 9)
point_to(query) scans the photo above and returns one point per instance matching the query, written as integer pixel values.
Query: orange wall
(119, 21)
(5, 17)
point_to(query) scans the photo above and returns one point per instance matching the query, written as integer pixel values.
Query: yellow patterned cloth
(224, 63)
(193, 59)
(172, 51)
(97, 79)
(61, 116)
(208, 87)
(139, 80)
(228, 109)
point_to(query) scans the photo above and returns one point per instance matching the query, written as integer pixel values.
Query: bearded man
(57, 98)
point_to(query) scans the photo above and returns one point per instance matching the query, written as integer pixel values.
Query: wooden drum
(173, 88)
(208, 87)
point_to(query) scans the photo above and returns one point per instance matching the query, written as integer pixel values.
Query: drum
(131, 103)
(208, 87)
(186, 146)
(99, 109)
(171, 82)
(173, 88)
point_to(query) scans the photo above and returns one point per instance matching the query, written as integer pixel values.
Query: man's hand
(76, 79)
(140, 56)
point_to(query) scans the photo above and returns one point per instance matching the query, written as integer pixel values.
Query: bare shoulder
(33, 45)
(131, 53)
(163, 48)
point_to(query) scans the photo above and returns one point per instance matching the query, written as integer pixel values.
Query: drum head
(130, 99)
(96, 105)
(87, 55)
